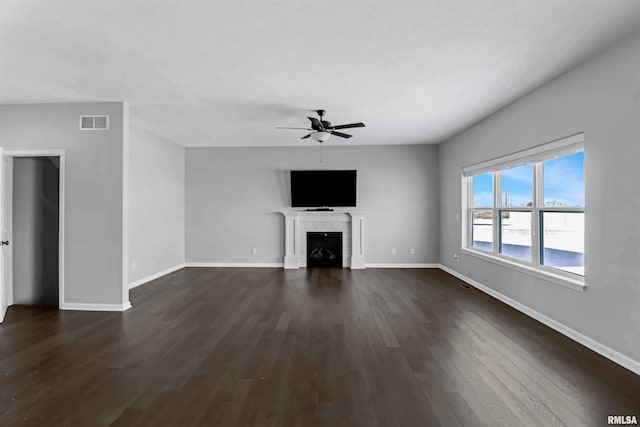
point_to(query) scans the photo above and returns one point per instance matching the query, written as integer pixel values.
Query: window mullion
(469, 213)
(497, 203)
(538, 202)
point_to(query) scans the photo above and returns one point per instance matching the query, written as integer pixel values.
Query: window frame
(535, 156)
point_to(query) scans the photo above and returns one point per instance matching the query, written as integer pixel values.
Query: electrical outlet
(412, 251)
(393, 251)
(457, 216)
(255, 251)
(133, 265)
(456, 257)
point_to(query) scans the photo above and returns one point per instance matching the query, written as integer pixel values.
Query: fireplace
(298, 223)
(324, 249)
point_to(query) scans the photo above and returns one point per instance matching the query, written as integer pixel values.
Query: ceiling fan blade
(350, 125)
(340, 134)
(281, 127)
(315, 123)
(306, 136)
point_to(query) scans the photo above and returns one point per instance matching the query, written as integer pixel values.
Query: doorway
(33, 228)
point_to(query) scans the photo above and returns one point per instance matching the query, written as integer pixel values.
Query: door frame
(10, 155)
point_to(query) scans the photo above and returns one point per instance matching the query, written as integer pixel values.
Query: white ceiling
(225, 73)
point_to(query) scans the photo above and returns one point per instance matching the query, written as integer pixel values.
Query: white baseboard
(95, 307)
(280, 265)
(609, 353)
(156, 275)
(406, 265)
(235, 264)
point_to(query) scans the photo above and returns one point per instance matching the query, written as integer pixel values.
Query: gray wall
(35, 231)
(156, 205)
(601, 98)
(234, 196)
(94, 240)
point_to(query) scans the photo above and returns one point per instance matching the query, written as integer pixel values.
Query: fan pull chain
(321, 153)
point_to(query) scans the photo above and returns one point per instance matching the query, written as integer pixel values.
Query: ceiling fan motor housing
(322, 129)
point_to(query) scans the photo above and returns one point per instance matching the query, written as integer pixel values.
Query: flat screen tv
(323, 188)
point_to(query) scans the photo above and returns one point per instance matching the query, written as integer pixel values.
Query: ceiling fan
(321, 129)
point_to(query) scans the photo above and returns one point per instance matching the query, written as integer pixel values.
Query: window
(528, 208)
(482, 230)
(516, 201)
(562, 216)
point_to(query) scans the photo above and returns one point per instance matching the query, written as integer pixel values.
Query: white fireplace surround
(298, 223)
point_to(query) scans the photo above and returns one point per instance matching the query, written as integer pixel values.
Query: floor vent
(94, 122)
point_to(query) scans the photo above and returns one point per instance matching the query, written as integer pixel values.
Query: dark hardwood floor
(331, 347)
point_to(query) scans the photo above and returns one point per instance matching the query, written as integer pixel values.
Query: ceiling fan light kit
(320, 136)
(323, 129)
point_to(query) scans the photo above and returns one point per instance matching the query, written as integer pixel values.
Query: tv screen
(330, 188)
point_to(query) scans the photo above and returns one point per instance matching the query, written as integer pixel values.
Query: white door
(4, 293)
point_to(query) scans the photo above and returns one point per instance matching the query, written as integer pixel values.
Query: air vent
(94, 122)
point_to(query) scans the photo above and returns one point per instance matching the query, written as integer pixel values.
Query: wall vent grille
(94, 122)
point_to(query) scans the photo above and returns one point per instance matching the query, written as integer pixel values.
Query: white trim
(558, 278)
(5, 258)
(590, 343)
(8, 225)
(279, 264)
(95, 307)
(125, 201)
(357, 261)
(61, 232)
(402, 265)
(549, 150)
(234, 264)
(156, 275)
(34, 153)
(61, 207)
(466, 190)
(538, 197)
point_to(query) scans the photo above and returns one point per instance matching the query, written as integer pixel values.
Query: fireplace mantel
(297, 223)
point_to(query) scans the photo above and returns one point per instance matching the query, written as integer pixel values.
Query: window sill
(575, 284)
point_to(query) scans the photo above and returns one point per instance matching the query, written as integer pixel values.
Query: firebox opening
(324, 249)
